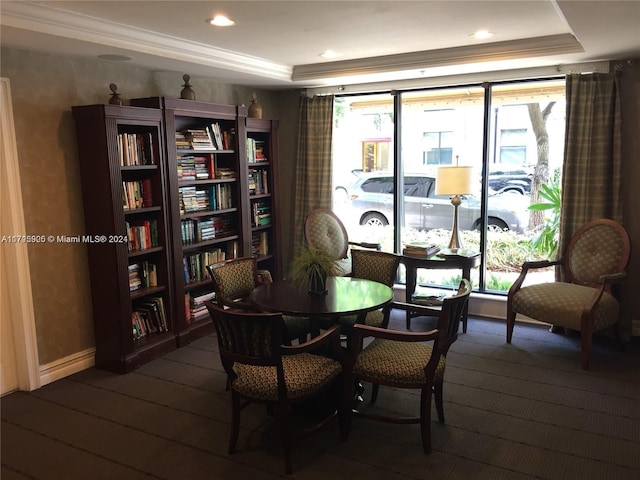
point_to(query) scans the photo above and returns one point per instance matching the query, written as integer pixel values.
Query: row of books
(261, 214)
(259, 243)
(142, 275)
(209, 198)
(258, 181)
(194, 230)
(137, 194)
(191, 167)
(136, 149)
(195, 307)
(149, 316)
(142, 235)
(194, 265)
(255, 151)
(211, 137)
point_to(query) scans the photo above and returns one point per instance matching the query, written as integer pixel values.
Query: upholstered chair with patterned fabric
(260, 368)
(404, 359)
(380, 267)
(324, 231)
(595, 259)
(233, 281)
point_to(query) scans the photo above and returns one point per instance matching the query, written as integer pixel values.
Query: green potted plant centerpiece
(312, 267)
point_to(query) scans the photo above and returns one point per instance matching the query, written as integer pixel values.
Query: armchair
(261, 369)
(402, 359)
(323, 230)
(595, 259)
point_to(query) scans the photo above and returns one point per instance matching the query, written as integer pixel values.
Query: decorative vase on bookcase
(124, 200)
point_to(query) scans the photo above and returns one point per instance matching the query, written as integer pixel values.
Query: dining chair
(323, 230)
(404, 359)
(595, 259)
(260, 368)
(381, 267)
(234, 279)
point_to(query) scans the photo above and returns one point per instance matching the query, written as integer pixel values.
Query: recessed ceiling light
(482, 34)
(329, 54)
(221, 21)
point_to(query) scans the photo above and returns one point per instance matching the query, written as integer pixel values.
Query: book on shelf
(137, 194)
(430, 296)
(420, 249)
(135, 149)
(142, 235)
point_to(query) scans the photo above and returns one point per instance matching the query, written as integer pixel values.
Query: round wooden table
(345, 296)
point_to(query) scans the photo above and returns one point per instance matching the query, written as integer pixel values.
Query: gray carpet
(519, 411)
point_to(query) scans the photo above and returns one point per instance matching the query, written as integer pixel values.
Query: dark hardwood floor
(520, 411)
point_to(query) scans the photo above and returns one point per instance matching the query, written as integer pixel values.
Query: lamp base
(455, 243)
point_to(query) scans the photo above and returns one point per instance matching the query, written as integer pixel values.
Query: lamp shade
(454, 180)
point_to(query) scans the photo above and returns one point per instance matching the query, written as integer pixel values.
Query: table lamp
(456, 181)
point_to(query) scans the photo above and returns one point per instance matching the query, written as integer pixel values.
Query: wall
(630, 107)
(44, 87)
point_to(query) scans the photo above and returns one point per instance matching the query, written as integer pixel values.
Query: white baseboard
(66, 366)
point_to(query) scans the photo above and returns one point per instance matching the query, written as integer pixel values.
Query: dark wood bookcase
(170, 186)
(207, 185)
(121, 152)
(261, 171)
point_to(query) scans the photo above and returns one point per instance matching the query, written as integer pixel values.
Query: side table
(450, 262)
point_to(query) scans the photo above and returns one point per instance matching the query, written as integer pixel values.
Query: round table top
(345, 296)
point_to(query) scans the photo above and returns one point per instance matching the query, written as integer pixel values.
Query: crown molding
(487, 52)
(52, 21)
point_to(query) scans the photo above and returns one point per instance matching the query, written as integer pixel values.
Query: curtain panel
(313, 161)
(591, 178)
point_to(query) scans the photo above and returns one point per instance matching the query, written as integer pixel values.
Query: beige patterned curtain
(313, 174)
(591, 178)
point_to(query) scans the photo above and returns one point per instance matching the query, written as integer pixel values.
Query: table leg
(466, 273)
(411, 274)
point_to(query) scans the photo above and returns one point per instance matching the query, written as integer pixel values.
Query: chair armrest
(373, 246)
(414, 307)
(612, 277)
(328, 337)
(526, 266)
(540, 264)
(361, 331)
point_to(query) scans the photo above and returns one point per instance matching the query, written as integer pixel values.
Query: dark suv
(515, 181)
(372, 204)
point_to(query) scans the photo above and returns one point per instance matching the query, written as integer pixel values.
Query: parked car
(514, 181)
(341, 191)
(372, 204)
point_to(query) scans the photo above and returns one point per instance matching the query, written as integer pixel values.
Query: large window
(449, 126)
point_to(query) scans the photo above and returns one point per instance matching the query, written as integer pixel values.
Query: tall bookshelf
(206, 185)
(122, 165)
(261, 171)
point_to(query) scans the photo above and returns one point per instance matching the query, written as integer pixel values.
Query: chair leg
(618, 335)
(586, 336)
(425, 419)
(374, 393)
(235, 421)
(285, 420)
(438, 397)
(511, 321)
